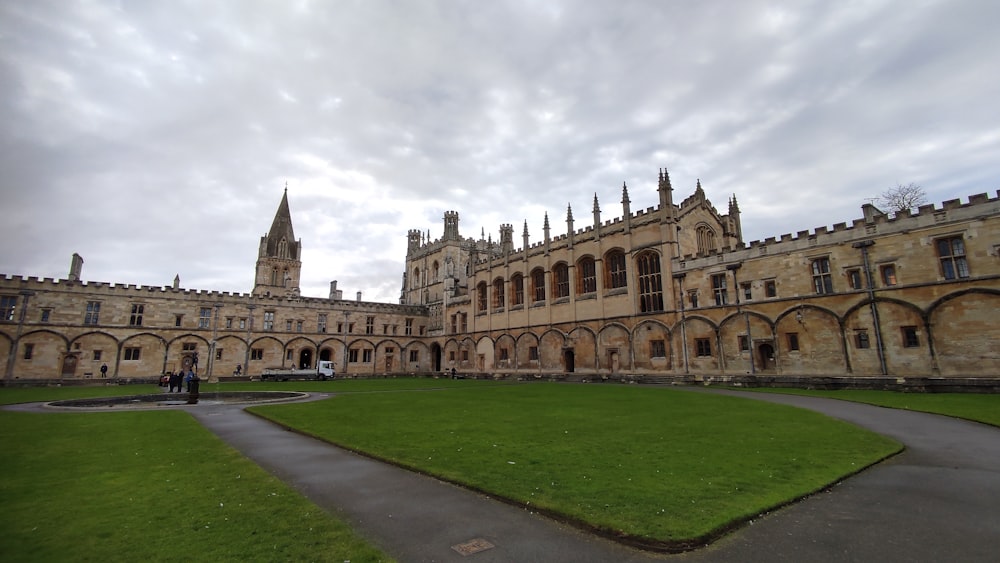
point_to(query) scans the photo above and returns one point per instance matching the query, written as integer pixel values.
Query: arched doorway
(69, 365)
(765, 356)
(569, 360)
(305, 359)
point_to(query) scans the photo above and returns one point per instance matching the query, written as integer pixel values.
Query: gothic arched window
(650, 284)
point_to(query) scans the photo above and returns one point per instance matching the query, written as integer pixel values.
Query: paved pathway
(938, 501)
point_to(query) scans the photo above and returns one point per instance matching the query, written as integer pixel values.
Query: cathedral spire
(279, 263)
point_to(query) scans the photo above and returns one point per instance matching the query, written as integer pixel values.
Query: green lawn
(648, 463)
(970, 406)
(148, 486)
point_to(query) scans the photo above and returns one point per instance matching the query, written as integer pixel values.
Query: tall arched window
(498, 293)
(274, 276)
(416, 279)
(650, 285)
(517, 289)
(615, 275)
(586, 276)
(706, 239)
(481, 297)
(435, 272)
(560, 279)
(538, 285)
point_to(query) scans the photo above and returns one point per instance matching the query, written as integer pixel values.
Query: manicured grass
(148, 486)
(651, 464)
(970, 406)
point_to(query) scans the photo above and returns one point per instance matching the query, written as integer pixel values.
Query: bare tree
(903, 198)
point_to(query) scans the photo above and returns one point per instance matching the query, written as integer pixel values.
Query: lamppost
(246, 361)
(746, 314)
(212, 345)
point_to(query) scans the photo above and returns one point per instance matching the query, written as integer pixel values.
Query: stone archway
(69, 365)
(305, 358)
(569, 360)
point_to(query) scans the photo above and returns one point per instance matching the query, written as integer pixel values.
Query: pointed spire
(546, 224)
(625, 199)
(733, 206)
(569, 212)
(597, 208)
(698, 189)
(525, 232)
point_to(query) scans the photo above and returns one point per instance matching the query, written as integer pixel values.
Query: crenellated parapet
(874, 224)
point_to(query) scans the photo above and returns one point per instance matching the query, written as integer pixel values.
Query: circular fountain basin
(159, 400)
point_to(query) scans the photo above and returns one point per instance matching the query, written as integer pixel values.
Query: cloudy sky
(155, 138)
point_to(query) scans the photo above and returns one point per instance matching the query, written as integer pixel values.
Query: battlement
(879, 224)
(33, 283)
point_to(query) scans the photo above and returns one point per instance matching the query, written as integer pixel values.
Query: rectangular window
(189, 346)
(657, 349)
(951, 252)
(8, 303)
(178, 319)
(854, 278)
(408, 327)
(352, 355)
(770, 288)
(46, 313)
(288, 325)
(703, 347)
(451, 356)
(369, 325)
(465, 322)
(719, 289)
(415, 356)
(481, 297)
(229, 322)
(533, 353)
(218, 353)
(132, 354)
(454, 323)
(268, 320)
(422, 329)
(822, 280)
(465, 355)
(504, 354)
(135, 319)
(298, 326)
(861, 339)
(204, 317)
(910, 338)
(366, 356)
(257, 354)
(747, 293)
(793, 341)
(744, 343)
(93, 313)
(650, 284)
(29, 350)
(888, 272)
(693, 298)
(243, 324)
(97, 355)
(350, 328)
(385, 329)
(321, 323)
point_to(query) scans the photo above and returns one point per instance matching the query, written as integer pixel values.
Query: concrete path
(937, 501)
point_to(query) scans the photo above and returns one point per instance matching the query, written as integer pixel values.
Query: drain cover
(473, 546)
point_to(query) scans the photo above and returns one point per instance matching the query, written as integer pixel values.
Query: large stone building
(669, 292)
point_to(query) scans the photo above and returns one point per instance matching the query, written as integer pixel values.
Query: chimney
(75, 267)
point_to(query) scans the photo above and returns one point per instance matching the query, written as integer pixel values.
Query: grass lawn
(659, 466)
(970, 406)
(147, 486)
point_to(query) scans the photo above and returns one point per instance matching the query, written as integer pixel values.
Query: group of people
(175, 380)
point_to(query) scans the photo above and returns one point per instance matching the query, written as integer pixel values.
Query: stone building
(671, 292)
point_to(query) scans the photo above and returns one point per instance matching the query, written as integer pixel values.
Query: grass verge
(148, 486)
(663, 468)
(983, 408)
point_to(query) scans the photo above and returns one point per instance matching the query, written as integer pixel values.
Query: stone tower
(279, 263)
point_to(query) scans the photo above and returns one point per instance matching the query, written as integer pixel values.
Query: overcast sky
(155, 138)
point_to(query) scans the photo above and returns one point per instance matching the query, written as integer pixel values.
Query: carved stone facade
(671, 291)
